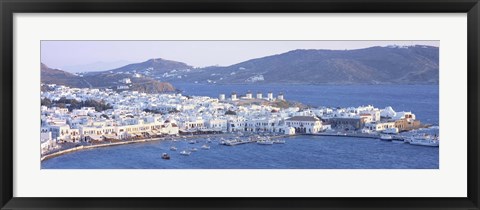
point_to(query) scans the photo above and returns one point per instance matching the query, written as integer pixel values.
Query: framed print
(239, 105)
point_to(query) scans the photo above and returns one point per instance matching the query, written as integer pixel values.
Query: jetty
(239, 142)
(357, 135)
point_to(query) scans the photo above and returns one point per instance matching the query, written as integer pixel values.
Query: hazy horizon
(76, 56)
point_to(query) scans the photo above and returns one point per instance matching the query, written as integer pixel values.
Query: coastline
(83, 147)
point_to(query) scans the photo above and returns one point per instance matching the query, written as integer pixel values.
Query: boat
(385, 137)
(185, 153)
(192, 142)
(173, 148)
(194, 149)
(209, 140)
(390, 131)
(279, 142)
(165, 156)
(265, 142)
(424, 141)
(205, 146)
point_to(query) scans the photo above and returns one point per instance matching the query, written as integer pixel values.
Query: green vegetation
(74, 104)
(153, 111)
(230, 112)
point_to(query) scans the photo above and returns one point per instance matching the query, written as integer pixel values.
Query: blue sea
(300, 152)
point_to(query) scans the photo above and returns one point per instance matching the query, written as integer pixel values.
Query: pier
(357, 135)
(239, 142)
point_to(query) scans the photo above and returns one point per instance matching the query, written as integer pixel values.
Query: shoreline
(83, 147)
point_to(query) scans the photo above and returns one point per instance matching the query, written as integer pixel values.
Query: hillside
(156, 68)
(56, 76)
(375, 65)
(103, 80)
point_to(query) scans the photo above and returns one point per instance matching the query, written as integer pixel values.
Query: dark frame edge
(473, 49)
(6, 114)
(7, 201)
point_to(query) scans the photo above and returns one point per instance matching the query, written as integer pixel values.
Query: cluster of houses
(140, 115)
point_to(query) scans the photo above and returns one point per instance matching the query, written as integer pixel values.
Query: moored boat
(424, 141)
(265, 142)
(173, 148)
(186, 153)
(385, 137)
(165, 156)
(205, 146)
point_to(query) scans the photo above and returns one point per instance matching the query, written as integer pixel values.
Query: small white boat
(390, 131)
(205, 146)
(424, 141)
(191, 142)
(279, 142)
(173, 148)
(385, 137)
(265, 142)
(185, 153)
(194, 149)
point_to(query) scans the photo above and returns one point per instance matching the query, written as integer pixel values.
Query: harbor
(298, 151)
(206, 127)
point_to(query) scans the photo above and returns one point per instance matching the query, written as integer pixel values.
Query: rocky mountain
(57, 76)
(104, 80)
(155, 68)
(375, 65)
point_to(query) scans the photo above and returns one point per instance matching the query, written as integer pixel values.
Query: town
(115, 116)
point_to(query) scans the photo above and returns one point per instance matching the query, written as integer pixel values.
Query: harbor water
(299, 152)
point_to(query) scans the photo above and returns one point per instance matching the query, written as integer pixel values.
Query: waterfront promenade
(106, 144)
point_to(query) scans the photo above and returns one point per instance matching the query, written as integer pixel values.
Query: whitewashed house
(304, 124)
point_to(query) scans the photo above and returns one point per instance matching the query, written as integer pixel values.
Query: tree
(230, 112)
(46, 102)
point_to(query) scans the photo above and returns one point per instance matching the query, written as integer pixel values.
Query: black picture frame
(10, 7)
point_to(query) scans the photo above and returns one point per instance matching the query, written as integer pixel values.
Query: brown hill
(102, 80)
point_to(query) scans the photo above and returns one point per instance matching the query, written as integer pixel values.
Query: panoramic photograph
(239, 104)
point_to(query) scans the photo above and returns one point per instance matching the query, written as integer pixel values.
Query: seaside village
(137, 115)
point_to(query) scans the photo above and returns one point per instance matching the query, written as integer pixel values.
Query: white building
(217, 125)
(125, 81)
(304, 124)
(380, 126)
(270, 96)
(289, 131)
(259, 95)
(234, 96)
(280, 96)
(221, 97)
(169, 128)
(46, 141)
(249, 95)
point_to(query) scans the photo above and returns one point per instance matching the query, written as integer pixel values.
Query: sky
(104, 55)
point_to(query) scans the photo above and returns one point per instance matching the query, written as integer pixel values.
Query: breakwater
(356, 135)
